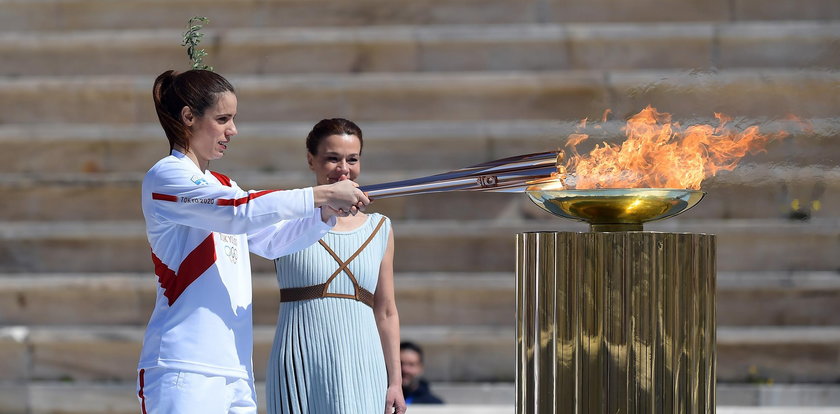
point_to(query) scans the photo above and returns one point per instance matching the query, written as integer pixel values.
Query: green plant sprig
(192, 37)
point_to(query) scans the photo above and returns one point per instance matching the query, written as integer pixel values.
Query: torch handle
(504, 175)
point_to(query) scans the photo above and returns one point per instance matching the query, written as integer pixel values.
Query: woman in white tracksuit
(196, 355)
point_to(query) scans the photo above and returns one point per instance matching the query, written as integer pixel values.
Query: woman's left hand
(394, 401)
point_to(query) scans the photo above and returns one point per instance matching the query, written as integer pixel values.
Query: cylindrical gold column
(619, 322)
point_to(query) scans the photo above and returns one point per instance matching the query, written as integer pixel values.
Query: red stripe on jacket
(193, 266)
(164, 197)
(225, 180)
(242, 200)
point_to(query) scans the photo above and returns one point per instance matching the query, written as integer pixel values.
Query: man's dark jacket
(422, 395)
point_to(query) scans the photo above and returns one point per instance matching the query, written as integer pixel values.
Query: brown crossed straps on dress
(321, 290)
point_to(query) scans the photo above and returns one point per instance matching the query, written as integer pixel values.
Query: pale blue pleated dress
(327, 357)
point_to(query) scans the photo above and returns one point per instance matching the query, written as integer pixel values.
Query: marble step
(428, 245)
(461, 398)
(430, 145)
(786, 398)
(750, 191)
(604, 46)
(109, 353)
(562, 95)
(423, 298)
(743, 298)
(453, 353)
(19, 15)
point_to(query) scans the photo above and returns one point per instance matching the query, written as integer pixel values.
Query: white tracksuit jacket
(201, 227)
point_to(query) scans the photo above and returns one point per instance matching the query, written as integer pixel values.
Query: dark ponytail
(196, 89)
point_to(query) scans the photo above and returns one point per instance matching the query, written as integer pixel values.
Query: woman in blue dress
(336, 349)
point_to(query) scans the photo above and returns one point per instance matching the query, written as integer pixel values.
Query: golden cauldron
(615, 209)
(615, 320)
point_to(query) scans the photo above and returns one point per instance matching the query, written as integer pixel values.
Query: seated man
(415, 388)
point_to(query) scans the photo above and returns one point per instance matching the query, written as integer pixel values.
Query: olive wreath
(192, 37)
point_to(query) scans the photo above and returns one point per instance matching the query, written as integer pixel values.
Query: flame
(659, 153)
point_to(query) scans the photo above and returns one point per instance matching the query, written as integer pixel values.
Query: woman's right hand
(343, 196)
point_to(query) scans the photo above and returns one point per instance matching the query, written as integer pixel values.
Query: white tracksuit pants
(166, 391)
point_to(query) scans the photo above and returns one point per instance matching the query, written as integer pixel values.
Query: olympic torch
(504, 175)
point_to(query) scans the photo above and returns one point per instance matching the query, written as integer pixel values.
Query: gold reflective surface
(621, 208)
(618, 322)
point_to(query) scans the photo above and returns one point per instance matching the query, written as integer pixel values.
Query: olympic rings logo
(232, 253)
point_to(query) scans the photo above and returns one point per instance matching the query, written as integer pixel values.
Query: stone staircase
(436, 85)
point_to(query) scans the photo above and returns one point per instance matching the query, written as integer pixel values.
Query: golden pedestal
(620, 322)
